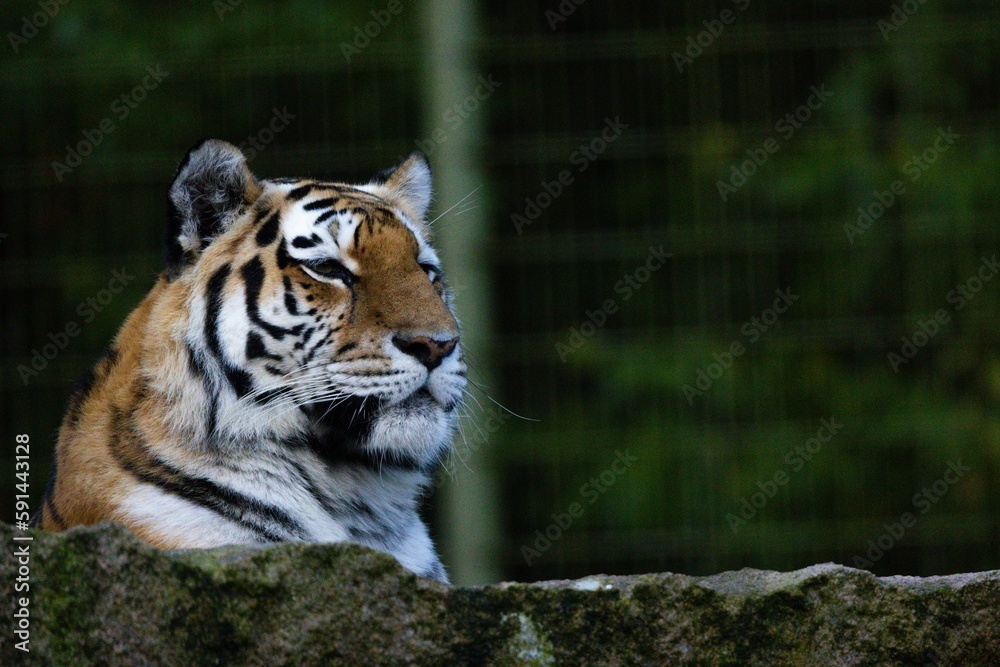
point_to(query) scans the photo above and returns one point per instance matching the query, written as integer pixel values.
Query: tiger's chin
(418, 427)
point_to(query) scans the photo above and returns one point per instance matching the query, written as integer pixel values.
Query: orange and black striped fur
(293, 375)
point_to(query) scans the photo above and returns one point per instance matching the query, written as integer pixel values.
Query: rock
(101, 596)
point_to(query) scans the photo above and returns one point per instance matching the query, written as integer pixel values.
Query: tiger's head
(316, 308)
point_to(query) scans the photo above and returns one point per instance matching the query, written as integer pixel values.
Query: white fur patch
(193, 526)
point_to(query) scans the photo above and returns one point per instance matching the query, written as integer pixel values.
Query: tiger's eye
(329, 268)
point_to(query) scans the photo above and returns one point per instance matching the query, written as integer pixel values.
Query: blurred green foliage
(623, 389)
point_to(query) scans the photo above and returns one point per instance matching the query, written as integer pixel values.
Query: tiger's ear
(212, 187)
(408, 184)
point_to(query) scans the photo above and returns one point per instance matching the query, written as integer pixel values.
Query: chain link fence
(740, 257)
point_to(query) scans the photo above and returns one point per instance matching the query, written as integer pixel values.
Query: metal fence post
(450, 73)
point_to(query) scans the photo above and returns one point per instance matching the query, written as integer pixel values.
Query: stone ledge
(101, 596)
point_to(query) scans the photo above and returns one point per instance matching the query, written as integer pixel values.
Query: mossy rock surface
(100, 596)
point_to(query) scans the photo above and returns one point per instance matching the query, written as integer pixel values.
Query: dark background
(656, 184)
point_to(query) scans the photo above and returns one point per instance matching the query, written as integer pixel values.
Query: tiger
(293, 375)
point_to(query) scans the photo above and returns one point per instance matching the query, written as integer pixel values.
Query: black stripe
(346, 347)
(81, 390)
(50, 484)
(306, 335)
(320, 343)
(374, 461)
(283, 259)
(228, 503)
(196, 366)
(335, 450)
(54, 513)
(346, 511)
(36, 518)
(253, 276)
(213, 297)
(78, 397)
(336, 513)
(320, 203)
(202, 492)
(269, 231)
(299, 192)
(326, 216)
(239, 380)
(255, 348)
(338, 187)
(303, 242)
(383, 176)
(291, 303)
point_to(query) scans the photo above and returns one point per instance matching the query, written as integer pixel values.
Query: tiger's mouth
(420, 395)
(360, 408)
(422, 398)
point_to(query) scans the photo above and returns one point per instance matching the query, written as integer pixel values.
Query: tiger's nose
(426, 350)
